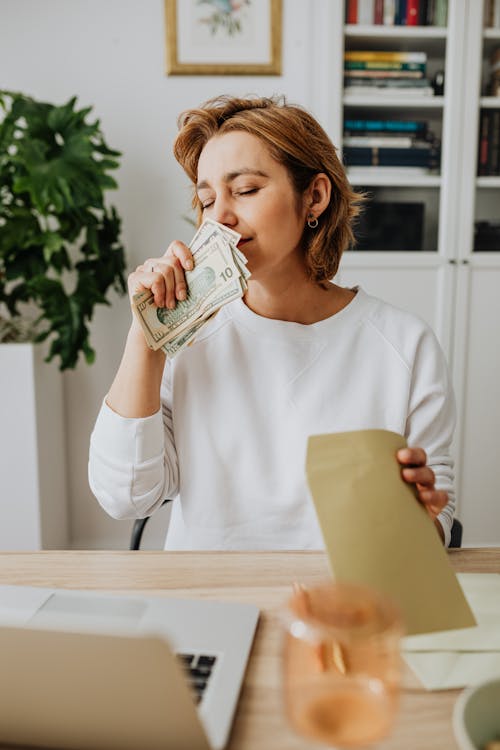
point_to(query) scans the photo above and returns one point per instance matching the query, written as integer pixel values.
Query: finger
(150, 275)
(159, 287)
(179, 250)
(412, 456)
(139, 280)
(433, 500)
(180, 282)
(173, 266)
(159, 275)
(422, 475)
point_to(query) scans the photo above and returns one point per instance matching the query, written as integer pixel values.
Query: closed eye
(250, 191)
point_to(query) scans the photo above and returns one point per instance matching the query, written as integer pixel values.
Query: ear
(317, 195)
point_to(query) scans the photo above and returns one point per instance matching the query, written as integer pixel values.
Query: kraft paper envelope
(377, 533)
(459, 658)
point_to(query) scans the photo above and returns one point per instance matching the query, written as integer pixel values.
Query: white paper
(459, 658)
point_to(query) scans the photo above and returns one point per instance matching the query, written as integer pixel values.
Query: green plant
(59, 244)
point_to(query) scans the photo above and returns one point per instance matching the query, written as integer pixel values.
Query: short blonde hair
(297, 141)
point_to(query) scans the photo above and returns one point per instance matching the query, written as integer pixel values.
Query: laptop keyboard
(198, 668)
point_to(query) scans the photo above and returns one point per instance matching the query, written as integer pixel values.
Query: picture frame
(223, 37)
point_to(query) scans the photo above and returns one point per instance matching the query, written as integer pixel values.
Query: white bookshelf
(448, 284)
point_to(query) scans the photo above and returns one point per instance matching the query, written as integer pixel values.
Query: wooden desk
(265, 580)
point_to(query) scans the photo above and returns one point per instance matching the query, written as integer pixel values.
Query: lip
(243, 241)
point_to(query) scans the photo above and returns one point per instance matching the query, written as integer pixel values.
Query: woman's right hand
(164, 276)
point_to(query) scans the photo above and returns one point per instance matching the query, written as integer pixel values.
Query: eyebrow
(230, 176)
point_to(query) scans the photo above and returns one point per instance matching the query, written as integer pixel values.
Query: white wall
(110, 53)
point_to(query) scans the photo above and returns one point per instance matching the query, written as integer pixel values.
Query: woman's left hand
(415, 471)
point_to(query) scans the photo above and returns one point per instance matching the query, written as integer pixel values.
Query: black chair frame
(138, 530)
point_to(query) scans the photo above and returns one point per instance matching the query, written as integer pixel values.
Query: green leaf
(54, 172)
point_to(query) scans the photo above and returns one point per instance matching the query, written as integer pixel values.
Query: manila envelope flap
(377, 533)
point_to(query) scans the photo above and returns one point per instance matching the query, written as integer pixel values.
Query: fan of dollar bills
(218, 277)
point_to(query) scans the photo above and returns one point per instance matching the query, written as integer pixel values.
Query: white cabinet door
(478, 371)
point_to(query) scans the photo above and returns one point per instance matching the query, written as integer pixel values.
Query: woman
(223, 426)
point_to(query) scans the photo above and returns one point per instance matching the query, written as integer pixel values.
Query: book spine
(422, 14)
(494, 156)
(496, 14)
(365, 12)
(387, 92)
(412, 13)
(381, 65)
(382, 75)
(389, 12)
(431, 10)
(351, 11)
(400, 13)
(482, 161)
(441, 12)
(389, 126)
(378, 12)
(372, 56)
(386, 82)
(383, 141)
(390, 157)
(488, 13)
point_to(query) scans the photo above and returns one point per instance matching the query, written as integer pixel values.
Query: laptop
(87, 670)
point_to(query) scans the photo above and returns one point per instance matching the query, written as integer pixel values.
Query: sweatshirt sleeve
(132, 463)
(431, 417)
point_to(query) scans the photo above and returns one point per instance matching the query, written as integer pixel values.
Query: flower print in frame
(223, 37)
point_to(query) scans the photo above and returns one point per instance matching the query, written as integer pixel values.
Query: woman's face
(241, 186)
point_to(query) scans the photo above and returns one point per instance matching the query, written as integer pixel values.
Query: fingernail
(171, 305)
(181, 294)
(404, 454)
(189, 264)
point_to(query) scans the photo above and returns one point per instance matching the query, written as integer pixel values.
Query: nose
(223, 212)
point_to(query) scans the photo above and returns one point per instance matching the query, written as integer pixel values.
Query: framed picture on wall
(223, 37)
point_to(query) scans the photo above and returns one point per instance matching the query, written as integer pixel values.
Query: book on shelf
(383, 75)
(366, 11)
(415, 156)
(386, 70)
(413, 16)
(376, 87)
(384, 56)
(383, 65)
(384, 93)
(389, 12)
(440, 15)
(380, 141)
(388, 82)
(351, 11)
(488, 162)
(399, 12)
(486, 236)
(492, 14)
(378, 12)
(376, 126)
(493, 83)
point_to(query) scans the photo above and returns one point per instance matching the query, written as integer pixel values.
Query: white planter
(33, 506)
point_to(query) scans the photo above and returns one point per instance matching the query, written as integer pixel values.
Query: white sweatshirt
(229, 443)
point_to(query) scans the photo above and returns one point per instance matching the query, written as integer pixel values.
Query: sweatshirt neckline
(269, 327)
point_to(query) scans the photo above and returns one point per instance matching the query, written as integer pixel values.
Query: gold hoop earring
(312, 221)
